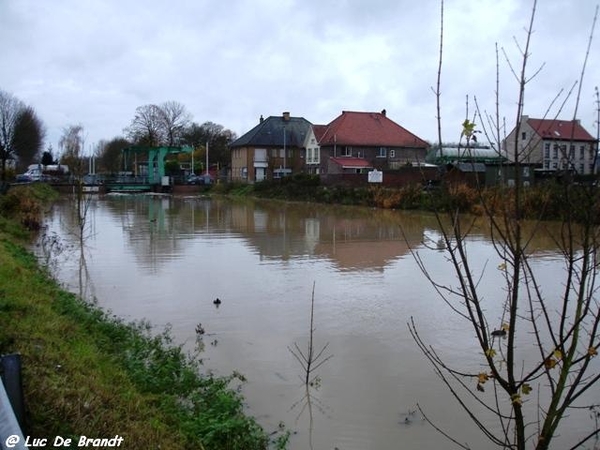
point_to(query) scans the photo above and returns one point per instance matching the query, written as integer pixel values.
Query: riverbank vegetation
(86, 372)
(545, 201)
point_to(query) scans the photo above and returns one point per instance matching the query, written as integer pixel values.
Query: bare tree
(72, 144)
(10, 107)
(175, 119)
(530, 395)
(146, 126)
(155, 125)
(21, 131)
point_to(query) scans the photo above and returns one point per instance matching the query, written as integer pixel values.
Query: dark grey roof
(270, 133)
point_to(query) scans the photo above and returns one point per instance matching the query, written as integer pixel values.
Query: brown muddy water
(165, 259)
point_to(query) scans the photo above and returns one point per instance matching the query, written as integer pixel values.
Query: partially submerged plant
(310, 360)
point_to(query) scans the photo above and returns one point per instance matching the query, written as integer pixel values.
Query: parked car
(197, 179)
(30, 176)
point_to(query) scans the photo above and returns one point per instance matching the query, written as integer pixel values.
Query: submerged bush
(23, 204)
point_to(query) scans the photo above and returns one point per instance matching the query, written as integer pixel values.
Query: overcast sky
(229, 61)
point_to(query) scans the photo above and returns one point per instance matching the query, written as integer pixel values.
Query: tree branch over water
(561, 325)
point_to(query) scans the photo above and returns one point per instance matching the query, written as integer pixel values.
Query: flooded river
(166, 259)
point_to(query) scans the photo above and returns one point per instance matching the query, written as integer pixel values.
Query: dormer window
(382, 153)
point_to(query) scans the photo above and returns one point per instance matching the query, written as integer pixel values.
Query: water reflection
(352, 238)
(308, 405)
(166, 259)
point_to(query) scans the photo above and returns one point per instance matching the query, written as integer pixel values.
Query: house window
(523, 135)
(581, 152)
(555, 151)
(581, 168)
(347, 151)
(316, 155)
(546, 164)
(555, 165)
(547, 150)
(382, 153)
(392, 153)
(274, 152)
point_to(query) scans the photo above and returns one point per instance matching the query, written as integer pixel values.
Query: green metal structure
(156, 159)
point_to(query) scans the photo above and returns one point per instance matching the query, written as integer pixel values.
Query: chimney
(383, 112)
(286, 116)
(261, 119)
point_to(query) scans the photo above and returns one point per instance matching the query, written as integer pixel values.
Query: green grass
(88, 373)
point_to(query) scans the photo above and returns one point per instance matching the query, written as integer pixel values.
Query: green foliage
(172, 168)
(235, 189)
(300, 187)
(94, 351)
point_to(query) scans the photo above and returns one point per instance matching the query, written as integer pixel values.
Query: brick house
(272, 149)
(552, 144)
(356, 142)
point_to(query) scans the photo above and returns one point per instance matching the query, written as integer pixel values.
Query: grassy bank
(87, 373)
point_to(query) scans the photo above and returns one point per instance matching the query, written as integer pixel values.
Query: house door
(259, 174)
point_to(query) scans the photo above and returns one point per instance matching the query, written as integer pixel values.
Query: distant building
(313, 149)
(552, 145)
(356, 142)
(454, 153)
(272, 149)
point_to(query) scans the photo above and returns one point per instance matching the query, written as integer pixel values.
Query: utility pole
(193, 149)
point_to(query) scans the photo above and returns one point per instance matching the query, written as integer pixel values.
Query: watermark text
(59, 441)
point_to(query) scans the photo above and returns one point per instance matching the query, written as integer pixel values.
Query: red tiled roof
(368, 129)
(560, 129)
(319, 131)
(352, 163)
